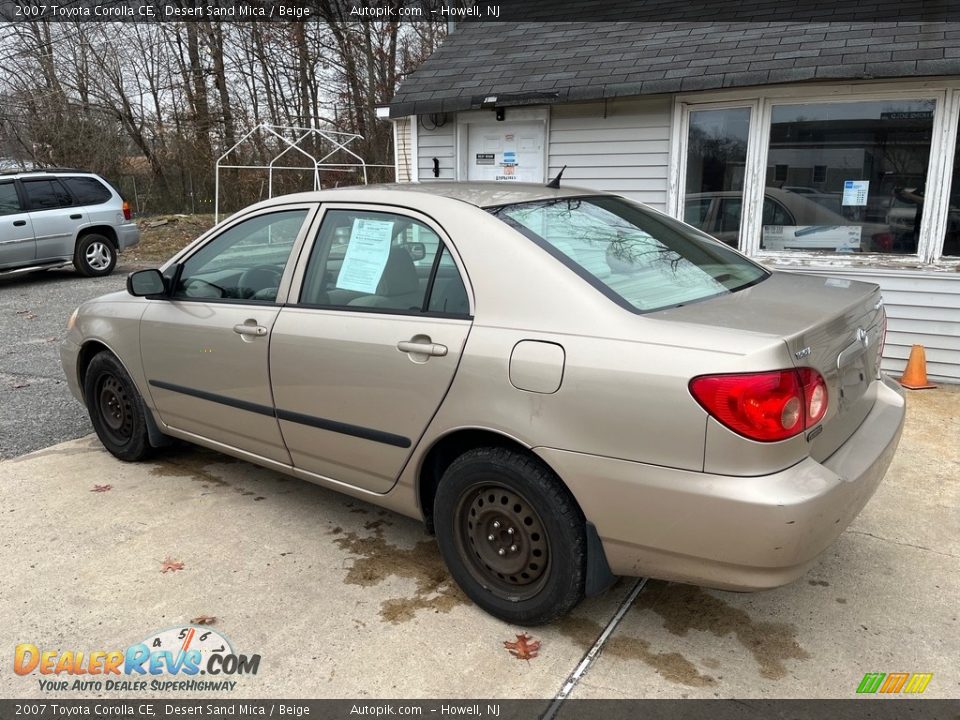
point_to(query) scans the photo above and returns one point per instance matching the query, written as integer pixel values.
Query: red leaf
(171, 565)
(102, 488)
(203, 620)
(525, 648)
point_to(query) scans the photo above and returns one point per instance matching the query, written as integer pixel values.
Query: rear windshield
(641, 259)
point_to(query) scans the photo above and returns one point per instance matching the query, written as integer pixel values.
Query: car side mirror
(146, 283)
(418, 251)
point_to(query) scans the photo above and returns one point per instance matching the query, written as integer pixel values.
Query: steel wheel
(503, 539)
(116, 409)
(526, 577)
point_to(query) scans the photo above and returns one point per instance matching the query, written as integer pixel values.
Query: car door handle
(250, 328)
(19, 223)
(422, 348)
(76, 217)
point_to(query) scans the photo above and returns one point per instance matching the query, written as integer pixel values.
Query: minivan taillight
(766, 406)
(127, 213)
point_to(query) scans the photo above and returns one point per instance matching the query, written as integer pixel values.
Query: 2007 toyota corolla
(565, 385)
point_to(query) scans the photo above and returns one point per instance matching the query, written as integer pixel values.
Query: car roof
(480, 194)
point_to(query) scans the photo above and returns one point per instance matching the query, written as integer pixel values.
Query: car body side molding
(323, 423)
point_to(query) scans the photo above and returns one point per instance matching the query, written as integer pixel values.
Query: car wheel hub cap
(504, 538)
(98, 257)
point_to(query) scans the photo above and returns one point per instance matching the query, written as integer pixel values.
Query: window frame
(19, 193)
(678, 185)
(944, 92)
(296, 286)
(51, 179)
(175, 264)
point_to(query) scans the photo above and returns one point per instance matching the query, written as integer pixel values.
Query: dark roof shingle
(546, 63)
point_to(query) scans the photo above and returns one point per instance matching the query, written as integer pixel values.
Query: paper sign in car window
(366, 256)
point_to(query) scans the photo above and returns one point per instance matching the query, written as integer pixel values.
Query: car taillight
(767, 406)
(127, 214)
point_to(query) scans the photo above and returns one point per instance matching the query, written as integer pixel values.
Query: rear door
(17, 245)
(55, 219)
(363, 355)
(205, 350)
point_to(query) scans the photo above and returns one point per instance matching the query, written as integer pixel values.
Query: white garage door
(505, 152)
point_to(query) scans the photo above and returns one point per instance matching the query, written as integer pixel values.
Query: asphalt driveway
(36, 408)
(341, 599)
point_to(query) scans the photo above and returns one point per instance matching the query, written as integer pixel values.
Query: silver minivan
(51, 218)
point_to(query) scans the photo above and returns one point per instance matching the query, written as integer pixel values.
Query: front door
(17, 246)
(361, 362)
(205, 350)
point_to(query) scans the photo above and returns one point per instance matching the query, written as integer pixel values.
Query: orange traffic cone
(915, 375)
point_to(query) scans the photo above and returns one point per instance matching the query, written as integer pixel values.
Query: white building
(827, 148)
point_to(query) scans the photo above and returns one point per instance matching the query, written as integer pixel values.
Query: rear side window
(640, 259)
(87, 190)
(46, 194)
(9, 202)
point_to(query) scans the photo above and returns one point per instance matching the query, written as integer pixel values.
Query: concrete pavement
(342, 599)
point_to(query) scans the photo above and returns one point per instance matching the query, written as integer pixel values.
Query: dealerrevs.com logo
(183, 653)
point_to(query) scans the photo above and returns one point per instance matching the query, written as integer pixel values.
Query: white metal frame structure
(337, 140)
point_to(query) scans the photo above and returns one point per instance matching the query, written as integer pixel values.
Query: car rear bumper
(128, 235)
(737, 533)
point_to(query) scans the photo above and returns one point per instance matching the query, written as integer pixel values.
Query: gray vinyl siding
(923, 308)
(437, 142)
(623, 148)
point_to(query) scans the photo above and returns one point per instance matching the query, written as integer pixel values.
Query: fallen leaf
(19, 385)
(171, 565)
(52, 339)
(203, 620)
(102, 488)
(525, 648)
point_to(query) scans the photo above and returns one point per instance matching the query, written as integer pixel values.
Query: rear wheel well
(448, 449)
(108, 232)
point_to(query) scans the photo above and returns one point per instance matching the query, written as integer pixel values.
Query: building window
(951, 239)
(716, 164)
(849, 176)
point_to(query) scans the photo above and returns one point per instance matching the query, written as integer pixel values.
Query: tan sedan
(565, 385)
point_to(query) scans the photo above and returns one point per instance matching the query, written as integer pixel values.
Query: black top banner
(507, 11)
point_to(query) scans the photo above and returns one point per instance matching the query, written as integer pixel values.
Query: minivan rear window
(641, 259)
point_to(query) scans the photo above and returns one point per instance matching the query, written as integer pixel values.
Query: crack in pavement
(904, 544)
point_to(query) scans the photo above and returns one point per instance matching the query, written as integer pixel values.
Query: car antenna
(555, 183)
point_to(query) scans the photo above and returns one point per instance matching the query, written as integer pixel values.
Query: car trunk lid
(833, 325)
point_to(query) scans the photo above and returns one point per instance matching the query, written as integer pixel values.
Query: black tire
(116, 409)
(95, 256)
(532, 518)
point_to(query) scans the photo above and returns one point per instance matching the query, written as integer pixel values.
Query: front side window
(9, 202)
(851, 175)
(642, 260)
(244, 262)
(381, 261)
(46, 194)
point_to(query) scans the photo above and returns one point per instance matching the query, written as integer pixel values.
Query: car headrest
(399, 275)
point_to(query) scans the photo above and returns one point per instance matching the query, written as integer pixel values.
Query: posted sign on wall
(506, 152)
